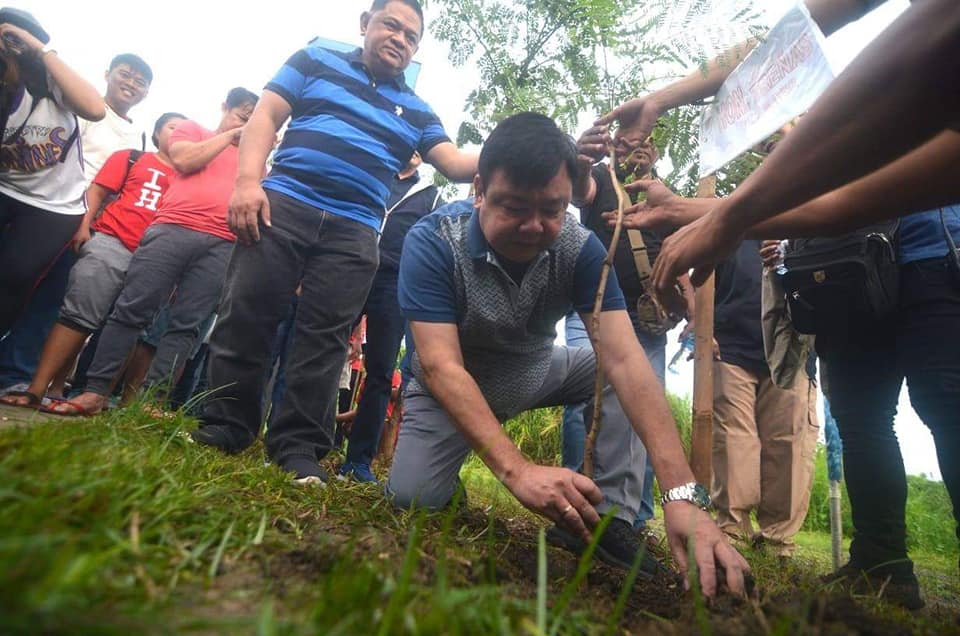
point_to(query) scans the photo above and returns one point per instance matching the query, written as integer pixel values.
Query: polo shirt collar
(355, 58)
(476, 241)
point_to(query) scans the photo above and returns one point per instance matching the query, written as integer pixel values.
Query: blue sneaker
(358, 471)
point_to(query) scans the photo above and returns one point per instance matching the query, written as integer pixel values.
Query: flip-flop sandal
(78, 410)
(33, 402)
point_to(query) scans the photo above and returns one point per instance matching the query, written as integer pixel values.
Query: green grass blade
(218, 555)
(542, 581)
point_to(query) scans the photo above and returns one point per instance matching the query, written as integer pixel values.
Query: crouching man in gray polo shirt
(483, 285)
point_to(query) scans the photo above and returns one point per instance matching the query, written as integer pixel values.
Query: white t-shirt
(105, 137)
(30, 166)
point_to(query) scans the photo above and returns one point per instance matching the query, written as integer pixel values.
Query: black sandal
(33, 403)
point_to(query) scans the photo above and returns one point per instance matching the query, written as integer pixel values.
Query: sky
(199, 50)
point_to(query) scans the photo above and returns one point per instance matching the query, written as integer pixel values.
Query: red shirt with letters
(139, 195)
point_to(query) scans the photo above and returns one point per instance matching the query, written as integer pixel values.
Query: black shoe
(306, 470)
(618, 547)
(900, 588)
(221, 436)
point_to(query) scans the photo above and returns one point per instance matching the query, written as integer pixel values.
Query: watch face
(701, 498)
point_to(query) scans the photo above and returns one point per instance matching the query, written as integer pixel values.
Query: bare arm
(452, 162)
(79, 95)
(922, 180)
(552, 492)
(96, 196)
(640, 114)
(192, 156)
(249, 203)
(830, 148)
(689, 529)
(260, 135)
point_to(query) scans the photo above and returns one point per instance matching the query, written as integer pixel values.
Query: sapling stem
(597, 419)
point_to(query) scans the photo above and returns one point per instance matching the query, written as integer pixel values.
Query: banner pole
(701, 437)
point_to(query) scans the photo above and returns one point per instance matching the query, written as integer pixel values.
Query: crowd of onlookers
(219, 272)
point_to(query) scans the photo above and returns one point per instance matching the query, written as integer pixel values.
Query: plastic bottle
(680, 357)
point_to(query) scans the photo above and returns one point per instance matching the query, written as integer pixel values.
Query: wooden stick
(701, 442)
(597, 419)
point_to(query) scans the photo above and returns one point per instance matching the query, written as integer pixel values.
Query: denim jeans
(574, 430)
(335, 259)
(864, 370)
(278, 360)
(385, 327)
(20, 350)
(31, 242)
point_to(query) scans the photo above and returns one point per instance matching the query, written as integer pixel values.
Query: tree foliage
(572, 59)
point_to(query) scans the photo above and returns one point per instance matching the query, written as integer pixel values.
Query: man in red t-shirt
(186, 248)
(138, 180)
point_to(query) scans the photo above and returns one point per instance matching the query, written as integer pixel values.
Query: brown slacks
(764, 444)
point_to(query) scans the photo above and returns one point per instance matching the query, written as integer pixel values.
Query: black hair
(413, 4)
(135, 62)
(530, 149)
(239, 96)
(161, 122)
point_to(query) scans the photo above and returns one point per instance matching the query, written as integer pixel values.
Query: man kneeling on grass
(483, 285)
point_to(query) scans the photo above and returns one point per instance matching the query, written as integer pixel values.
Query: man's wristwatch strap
(691, 492)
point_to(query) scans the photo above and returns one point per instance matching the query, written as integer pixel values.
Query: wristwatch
(692, 492)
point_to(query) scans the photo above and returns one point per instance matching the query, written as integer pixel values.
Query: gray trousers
(430, 449)
(169, 257)
(95, 282)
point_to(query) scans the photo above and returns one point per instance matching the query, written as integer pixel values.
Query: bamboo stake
(597, 419)
(701, 442)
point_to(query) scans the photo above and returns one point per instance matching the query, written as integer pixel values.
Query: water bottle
(686, 350)
(780, 267)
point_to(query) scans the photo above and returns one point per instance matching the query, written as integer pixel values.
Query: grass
(119, 524)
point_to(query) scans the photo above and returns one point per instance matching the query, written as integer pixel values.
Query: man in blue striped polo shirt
(314, 220)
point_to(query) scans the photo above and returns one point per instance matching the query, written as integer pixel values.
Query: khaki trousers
(764, 443)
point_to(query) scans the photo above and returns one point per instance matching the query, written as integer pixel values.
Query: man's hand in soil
(559, 494)
(691, 532)
(247, 206)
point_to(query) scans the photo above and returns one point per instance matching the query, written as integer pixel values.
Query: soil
(654, 607)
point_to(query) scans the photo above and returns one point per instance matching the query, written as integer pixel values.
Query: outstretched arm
(858, 125)
(639, 115)
(689, 529)
(921, 180)
(453, 163)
